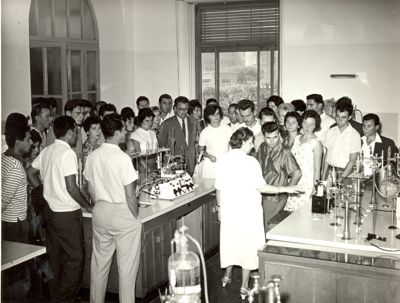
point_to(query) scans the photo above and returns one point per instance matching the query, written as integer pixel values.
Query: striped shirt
(13, 189)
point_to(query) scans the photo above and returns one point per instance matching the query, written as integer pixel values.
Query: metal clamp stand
(393, 226)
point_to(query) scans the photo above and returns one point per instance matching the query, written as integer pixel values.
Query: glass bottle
(184, 271)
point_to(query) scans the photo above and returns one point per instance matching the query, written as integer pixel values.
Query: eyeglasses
(182, 109)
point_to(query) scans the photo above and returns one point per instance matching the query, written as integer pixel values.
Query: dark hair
(15, 128)
(344, 104)
(155, 109)
(62, 125)
(239, 136)
(89, 121)
(211, 110)
(50, 101)
(276, 99)
(372, 116)
(71, 104)
(299, 105)
(101, 103)
(232, 105)
(295, 115)
(245, 104)
(211, 100)
(180, 99)
(110, 124)
(143, 114)
(37, 109)
(87, 103)
(193, 104)
(267, 111)
(313, 114)
(108, 107)
(141, 98)
(164, 96)
(270, 127)
(127, 113)
(35, 137)
(316, 97)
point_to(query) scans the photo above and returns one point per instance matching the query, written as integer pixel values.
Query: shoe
(226, 279)
(244, 292)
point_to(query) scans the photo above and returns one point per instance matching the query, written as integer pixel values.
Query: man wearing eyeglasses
(179, 133)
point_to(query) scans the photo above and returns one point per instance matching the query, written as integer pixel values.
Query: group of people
(256, 159)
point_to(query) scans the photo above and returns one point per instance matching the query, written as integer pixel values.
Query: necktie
(184, 128)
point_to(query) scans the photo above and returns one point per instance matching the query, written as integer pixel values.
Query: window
(237, 51)
(64, 50)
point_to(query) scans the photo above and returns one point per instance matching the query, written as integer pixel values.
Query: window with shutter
(237, 51)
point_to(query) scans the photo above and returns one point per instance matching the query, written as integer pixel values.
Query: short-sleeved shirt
(326, 123)
(13, 189)
(145, 137)
(56, 162)
(108, 169)
(340, 145)
(256, 128)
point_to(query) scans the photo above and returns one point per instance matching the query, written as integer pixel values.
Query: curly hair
(239, 136)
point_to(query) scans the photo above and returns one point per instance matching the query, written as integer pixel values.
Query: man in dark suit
(372, 143)
(376, 142)
(179, 133)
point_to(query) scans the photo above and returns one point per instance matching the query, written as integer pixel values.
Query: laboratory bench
(317, 265)
(197, 210)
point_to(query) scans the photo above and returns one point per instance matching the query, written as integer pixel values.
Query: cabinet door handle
(213, 194)
(158, 239)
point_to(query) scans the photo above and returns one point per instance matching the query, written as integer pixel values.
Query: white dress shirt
(367, 150)
(186, 128)
(326, 123)
(341, 144)
(109, 169)
(56, 162)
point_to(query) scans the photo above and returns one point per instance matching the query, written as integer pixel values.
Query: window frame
(236, 46)
(66, 44)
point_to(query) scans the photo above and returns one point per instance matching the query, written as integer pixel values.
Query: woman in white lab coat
(239, 183)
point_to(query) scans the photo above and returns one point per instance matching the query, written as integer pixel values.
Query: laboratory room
(200, 151)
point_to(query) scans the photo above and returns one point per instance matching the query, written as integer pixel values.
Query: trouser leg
(102, 254)
(128, 257)
(65, 249)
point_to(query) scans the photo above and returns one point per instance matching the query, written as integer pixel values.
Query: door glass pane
(276, 72)
(44, 10)
(265, 77)
(60, 20)
(75, 19)
(36, 70)
(207, 76)
(92, 97)
(91, 70)
(54, 70)
(88, 22)
(76, 70)
(33, 18)
(237, 77)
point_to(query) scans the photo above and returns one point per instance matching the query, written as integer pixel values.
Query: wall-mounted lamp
(343, 76)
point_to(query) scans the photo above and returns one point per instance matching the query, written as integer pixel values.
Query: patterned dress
(304, 154)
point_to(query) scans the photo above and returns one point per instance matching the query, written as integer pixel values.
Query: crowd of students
(294, 143)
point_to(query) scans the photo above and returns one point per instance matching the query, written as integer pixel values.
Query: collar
(10, 153)
(110, 145)
(38, 131)
(58, 141)
(378, 138)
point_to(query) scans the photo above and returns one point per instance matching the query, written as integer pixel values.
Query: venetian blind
(238, 24)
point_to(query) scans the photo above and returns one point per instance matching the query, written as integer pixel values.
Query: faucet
(255, 288)
(272, 288)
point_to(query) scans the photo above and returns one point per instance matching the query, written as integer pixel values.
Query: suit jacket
(171, 127)
(386, 142)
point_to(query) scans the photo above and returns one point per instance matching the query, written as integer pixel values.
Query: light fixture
(343, 76)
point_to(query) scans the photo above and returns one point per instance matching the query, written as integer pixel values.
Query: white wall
(15, 74)
(360, 37)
